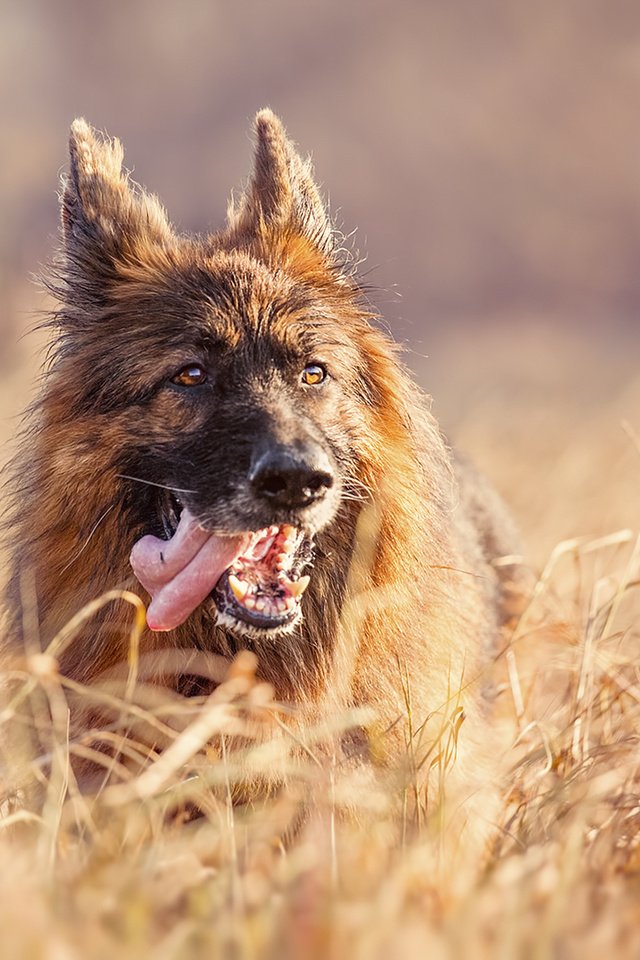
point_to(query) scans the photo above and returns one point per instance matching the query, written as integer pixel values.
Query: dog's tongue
(179, 573)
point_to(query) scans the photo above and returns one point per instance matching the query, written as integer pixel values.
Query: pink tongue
(179, 573)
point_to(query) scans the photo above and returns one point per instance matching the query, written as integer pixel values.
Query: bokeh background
(487, 151)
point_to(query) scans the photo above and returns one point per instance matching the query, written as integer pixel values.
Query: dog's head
(233, 378)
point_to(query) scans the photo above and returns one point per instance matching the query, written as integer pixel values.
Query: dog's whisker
(152, 483)
(359, 494)
(355, 482)
(356, 487)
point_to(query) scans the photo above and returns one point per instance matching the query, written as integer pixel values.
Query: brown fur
(404, 592)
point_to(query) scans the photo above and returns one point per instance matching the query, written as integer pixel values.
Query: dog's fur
(404, 599)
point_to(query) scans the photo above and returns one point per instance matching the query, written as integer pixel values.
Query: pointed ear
(282, 192)
(99, 206)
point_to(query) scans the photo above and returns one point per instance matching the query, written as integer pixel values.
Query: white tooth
(249, 602)
(288, 546)
(298, 587)
(260, 604)
(289, 603)
(281, 605)
(288, 530)
(239, 587)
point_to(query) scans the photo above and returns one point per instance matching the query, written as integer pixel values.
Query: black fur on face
(248, 442)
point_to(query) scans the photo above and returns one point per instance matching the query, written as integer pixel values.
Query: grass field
(131, 874)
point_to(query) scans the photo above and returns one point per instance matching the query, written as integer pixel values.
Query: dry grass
(129, 871)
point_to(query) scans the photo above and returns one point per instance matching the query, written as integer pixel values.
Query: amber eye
(313, 374)
(190, 376)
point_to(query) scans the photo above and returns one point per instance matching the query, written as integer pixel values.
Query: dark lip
(227, 603)
(170, 508)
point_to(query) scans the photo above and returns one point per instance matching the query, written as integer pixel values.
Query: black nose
(289, 478)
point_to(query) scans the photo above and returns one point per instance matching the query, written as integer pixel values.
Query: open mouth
(265, 584)
(255, 579)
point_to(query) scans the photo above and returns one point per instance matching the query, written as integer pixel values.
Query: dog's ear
(101, 211)
(282, 193)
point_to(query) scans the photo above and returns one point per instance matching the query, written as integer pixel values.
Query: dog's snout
(291, 479)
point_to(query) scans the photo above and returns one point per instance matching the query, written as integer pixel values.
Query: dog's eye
(190, 376)
(313, 374)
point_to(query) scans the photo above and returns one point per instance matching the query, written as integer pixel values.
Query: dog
(224, 429)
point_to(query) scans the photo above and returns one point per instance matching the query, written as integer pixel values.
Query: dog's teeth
(238, 587)
(296, 587)
(288, 546)
(249, 602)
(289, 603)
(288, 530)
(260, 604)
(281, 605)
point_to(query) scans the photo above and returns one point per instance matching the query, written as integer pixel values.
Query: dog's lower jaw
(250, 632)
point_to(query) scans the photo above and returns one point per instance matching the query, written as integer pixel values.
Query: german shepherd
(224, 428)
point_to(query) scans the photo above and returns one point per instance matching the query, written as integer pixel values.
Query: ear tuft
(92, 156)
(95, 187)
(272, 166)
(99, 204)
(266, 118)
(281, 193)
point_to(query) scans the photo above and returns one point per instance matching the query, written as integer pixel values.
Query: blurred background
(488, 153)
